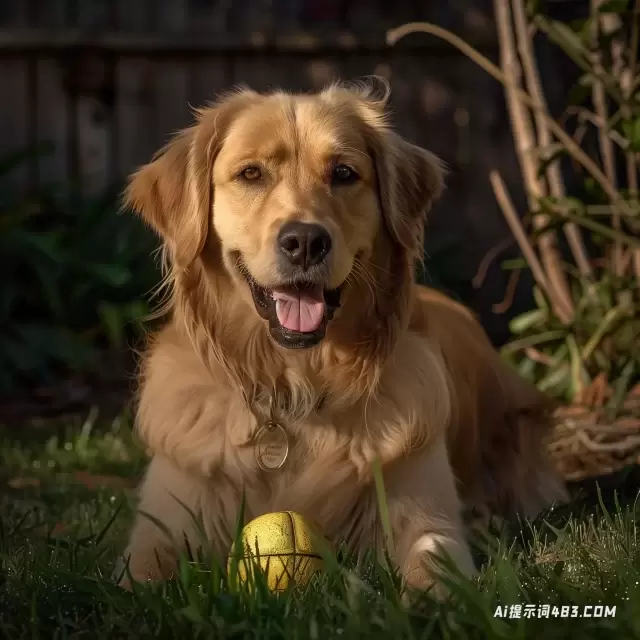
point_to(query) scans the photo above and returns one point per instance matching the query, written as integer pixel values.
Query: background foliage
(587, 320)
(76, 279)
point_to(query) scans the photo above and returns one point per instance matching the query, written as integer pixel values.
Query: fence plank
(267, 72)
(52, 121)
(14, 13)
(254, 71)
(190, 67)
(402, 79)
(135, 112)
(171, 15)
(490, 146)
(134, 16)
(171, 102)
(208, 79)
(192, 44)
(95, 15)
(321, 71)
(51, 14)
(209, 17)
(93, 108)
(359, 66)
(94, 144)
(14, 116)
(171, 76)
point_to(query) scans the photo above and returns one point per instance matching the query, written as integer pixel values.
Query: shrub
(75, 277)
(582, 341)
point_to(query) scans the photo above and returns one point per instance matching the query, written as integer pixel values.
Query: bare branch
(572, 148)
(584, 115)
(526, 145)
(601, 107)
(509, 294)
(554, 176)
(489, 257)
(511, 216)
(627, 83)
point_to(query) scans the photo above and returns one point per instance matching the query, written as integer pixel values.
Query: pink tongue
(300, 310)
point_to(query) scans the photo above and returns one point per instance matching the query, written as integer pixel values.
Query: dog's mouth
(298, 312)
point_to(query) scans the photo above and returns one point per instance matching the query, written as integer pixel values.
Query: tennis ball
(283, 546)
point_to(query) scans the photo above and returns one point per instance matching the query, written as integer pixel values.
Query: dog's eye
(342, 174)
(251, 174)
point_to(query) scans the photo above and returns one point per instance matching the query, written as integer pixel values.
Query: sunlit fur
(403, 375)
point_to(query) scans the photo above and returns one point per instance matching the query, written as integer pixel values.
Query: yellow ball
(283, 546)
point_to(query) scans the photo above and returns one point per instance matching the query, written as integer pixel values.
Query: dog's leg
(426, 518)
(180, 502)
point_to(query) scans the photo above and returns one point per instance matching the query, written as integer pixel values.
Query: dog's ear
(174, 192)
(173, 195)
(409, 178)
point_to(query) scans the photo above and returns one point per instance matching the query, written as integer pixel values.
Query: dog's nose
(304, 244)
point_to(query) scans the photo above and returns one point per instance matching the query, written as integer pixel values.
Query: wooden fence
(107, 81)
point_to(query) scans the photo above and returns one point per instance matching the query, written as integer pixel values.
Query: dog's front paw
(430, 558)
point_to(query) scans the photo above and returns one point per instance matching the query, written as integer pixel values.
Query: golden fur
(403, 374)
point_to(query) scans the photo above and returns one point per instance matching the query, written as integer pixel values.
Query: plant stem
(534, 86)
(584, 115)
(526, 146)
(550, 28)
(572, 148)
(628, 88)
(601, 107)
(511, 216)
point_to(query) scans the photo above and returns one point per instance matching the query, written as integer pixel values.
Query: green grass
(66, 501)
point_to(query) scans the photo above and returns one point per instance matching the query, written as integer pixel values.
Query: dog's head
(308, 198)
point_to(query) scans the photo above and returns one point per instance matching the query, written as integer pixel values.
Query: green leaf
(579, 376)
(112, 274)
(45, 243)
(556, 379)
(50, 287)
(527, 368)
(539, 298)
(573, 204)
(609, 320)
(573, 44)
(623, 384)
(568, 39)
(17, 158)
(527, 320)
(604, 230)
(383, 508)
(514, 264)
(532, 341)
(112, 322)
(631, 130)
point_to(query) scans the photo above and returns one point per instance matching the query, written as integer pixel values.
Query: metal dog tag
(271, 446)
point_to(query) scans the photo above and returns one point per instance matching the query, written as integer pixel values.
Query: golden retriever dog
(300, 352)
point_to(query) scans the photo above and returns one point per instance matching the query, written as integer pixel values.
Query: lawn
(66, 496)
